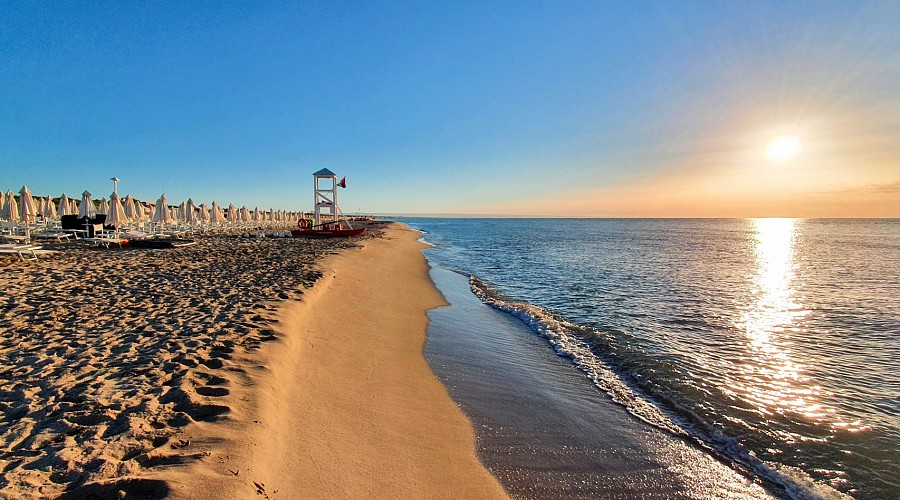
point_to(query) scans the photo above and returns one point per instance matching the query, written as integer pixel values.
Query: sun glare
(783, 148)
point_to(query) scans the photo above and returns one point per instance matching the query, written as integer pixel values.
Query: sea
(673, 358)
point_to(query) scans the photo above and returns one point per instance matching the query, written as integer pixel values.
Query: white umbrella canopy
(39, 206)
(65, 206)
(128, 207)
(190, 214)
(245, 214)
(2, 205)
(255, 215)
(180, 211)
(104, 206)
(49, 209)
(204, 212)
(232, 213)
(27, 209)
(140, 211)
(215, 217)
(86, 209)
(11, 210)
(162, 211)
(116, 216)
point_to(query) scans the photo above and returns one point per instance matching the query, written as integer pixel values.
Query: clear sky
(593, 108)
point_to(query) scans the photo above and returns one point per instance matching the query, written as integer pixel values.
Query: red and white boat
(328, 230)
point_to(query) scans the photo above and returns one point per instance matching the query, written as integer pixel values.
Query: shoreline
(343, 403)
(539, 418)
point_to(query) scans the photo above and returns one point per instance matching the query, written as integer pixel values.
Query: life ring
(303, 223)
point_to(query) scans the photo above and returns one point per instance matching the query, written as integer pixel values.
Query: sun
(783, 148)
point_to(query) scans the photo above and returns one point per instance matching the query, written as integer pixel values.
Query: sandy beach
(196, 373)
(346, 405)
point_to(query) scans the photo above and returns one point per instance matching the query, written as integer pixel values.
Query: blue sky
(493, 107)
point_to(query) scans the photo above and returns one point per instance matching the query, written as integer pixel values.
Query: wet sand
(544, 429)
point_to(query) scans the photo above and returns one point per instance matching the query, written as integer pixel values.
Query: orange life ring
(303, 223)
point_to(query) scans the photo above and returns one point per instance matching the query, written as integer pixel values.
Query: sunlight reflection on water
(772, 336)
(772, 379)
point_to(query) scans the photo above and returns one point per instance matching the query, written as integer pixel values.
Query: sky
(559, 108)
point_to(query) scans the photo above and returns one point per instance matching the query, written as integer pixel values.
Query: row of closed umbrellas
(121, 211)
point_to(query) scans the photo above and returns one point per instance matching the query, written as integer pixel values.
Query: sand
(197, 373)
(346, 405)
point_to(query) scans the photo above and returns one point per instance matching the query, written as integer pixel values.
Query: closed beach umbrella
(65, 208)
(128, 207)
(104, 206)
(49, 209)
(86, 209)
(181, 211)
(215, 217)
(190, 213)
(232, 213)
(162, 211)
(255, 215)
(39, 206)
(11, 210)
(204, 212)
(2, 205)
(27, 210)
(245, 214)
(140, 211)
(116, 216)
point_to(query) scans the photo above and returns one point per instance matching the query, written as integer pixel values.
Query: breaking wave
(584, 347)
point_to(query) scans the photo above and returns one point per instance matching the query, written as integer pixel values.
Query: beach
(240, 366)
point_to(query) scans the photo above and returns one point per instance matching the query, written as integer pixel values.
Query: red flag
(343, 182)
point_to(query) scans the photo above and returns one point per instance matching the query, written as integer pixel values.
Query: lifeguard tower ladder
(325, 204)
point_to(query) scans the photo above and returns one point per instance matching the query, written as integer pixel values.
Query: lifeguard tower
(325, 204)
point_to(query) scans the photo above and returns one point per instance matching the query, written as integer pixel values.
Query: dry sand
(344, 404)
(192, 373)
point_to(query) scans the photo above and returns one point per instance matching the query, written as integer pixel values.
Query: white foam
(559, 334)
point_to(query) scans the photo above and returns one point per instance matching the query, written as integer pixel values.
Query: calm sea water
(772, 343)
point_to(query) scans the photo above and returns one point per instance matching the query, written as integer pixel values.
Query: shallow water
(771, 342)
(544, 430)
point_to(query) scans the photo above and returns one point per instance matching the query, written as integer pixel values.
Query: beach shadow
(144, 489)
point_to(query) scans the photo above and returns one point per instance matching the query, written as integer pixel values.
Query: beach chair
(54, 235)
(24, 252)
(102, 237)
(16, 233)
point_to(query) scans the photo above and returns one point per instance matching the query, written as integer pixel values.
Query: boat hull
(326, 233)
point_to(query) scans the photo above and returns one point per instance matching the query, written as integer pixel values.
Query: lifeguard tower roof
(325, 171)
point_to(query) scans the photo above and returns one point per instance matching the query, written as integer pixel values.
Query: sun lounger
(59, 236)
(103, 238)
(106, 241)
(18, 238)
(25, 252)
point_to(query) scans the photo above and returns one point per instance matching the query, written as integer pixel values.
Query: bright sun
(783, 148)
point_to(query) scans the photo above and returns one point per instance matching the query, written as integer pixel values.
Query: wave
(583, 345)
